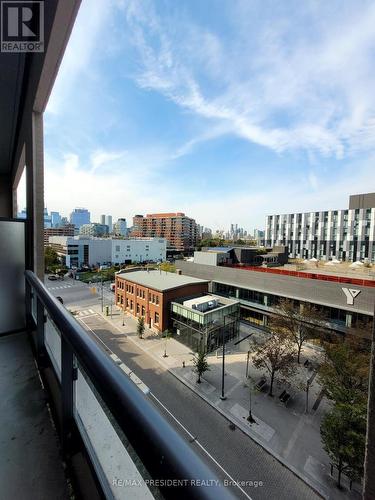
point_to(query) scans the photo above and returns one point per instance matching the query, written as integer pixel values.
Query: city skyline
(248, 113)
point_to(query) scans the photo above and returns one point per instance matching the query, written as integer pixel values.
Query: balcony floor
(30, 465)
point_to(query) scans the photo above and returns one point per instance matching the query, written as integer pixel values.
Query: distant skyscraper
(55, 219)
(120, 227)
(106, 220)
(80, 216)
(47, 219)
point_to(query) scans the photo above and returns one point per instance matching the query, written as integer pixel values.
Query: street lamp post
(101, 282)
(250, 417)
(247, 364)
(223, 397)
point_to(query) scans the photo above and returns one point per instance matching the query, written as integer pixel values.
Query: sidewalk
(286, 432)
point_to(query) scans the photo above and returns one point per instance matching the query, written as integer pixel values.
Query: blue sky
(225, 109)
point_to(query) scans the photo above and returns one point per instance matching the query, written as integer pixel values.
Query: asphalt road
(232, 454)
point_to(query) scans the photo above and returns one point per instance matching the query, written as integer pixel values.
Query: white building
(79, 250)
(341, 234)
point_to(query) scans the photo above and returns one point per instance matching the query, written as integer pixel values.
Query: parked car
(53, 277)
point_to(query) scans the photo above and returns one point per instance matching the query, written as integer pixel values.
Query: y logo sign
(350, 294)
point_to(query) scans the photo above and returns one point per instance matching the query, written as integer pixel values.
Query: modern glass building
(203, 323)
(80, 216)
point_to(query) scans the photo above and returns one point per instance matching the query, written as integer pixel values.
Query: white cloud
(84, 45)
(281, 89)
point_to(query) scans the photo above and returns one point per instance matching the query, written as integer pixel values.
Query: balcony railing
(128, 441)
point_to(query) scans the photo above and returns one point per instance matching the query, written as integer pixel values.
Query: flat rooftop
(222, 301)
(160, 280)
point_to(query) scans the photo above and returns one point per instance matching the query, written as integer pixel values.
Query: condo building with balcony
(347, 235)
(179, 230)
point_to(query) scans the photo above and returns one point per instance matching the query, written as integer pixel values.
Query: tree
(141, 326)
(200, 364)
(343, 432)
(166, 335)
(168, 267)
(50, 258)
(276, 355)
(345, 372)
(298, 322)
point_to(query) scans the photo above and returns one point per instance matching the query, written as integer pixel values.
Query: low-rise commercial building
(345, 303)
(205, 322)
(240, 255)
(150, 294)
(80, 250)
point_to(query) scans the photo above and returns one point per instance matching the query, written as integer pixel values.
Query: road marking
(116, 358)
(59, 287)
(193, 438)
(86, 313)
(131, 375)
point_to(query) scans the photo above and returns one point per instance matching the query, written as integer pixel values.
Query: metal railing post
(67, 378)
(40, 325)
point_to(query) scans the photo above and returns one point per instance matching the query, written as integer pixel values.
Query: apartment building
(346, 234)
(150, 293)
(179, 230)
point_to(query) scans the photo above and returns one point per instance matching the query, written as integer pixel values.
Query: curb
(229, 418)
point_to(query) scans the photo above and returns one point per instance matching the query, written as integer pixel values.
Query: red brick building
(149, 294)
(179, 230)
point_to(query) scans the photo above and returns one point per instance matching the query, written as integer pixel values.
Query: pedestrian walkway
(286, 431)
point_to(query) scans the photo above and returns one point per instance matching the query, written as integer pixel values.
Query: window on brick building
(157, 318)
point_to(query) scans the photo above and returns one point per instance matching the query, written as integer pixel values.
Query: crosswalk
(85, 312)
(59, 287)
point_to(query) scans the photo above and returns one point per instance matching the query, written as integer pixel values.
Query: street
(234, 456)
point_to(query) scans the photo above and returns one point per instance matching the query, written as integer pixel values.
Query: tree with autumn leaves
(276, 355)
(344, 376)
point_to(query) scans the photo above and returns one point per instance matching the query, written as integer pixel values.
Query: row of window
(330, 314)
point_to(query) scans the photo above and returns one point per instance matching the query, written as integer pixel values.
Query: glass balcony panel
(120, 471)
(12, 267)
(52, 342)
